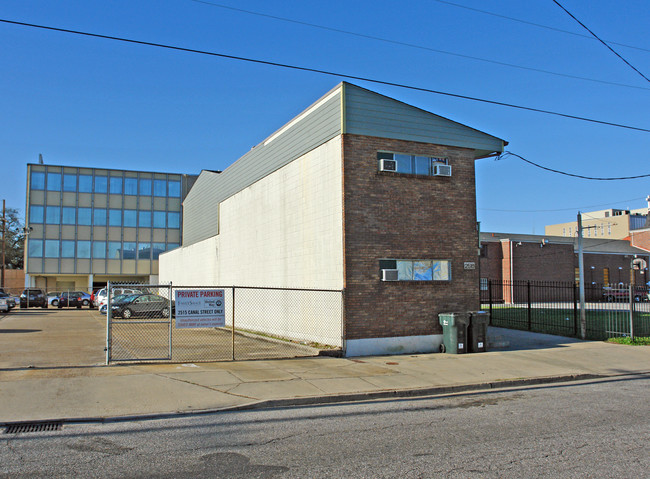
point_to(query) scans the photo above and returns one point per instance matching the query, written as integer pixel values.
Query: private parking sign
(200, 308)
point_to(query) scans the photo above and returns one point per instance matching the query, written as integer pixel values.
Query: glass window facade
(85, 184)
(99, 217)
(67, 249)
(174, 189)
(114, 250)
(101, 184)
(35, 248)
(144, 251)
(130, 186)
(128, 250)
(130, 218)
(116, 186)
(173, 220)
(114, 217)
(53, 215)
(51, 248)
(37, 180)
(156, 249)
(99, 249)
(68, 215)
(145, 187)
(36, 214)
(96, 214)
(159, 188)
(144, 219)
(54, 182)
(83, 249)
(69, 182)
(84, 216)
(159, 219)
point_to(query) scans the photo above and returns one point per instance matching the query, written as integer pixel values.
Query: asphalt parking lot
(43, 338)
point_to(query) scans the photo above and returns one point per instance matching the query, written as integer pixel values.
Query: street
(598, 428)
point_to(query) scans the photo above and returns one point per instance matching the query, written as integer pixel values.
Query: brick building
(519, 257)
(360, 192)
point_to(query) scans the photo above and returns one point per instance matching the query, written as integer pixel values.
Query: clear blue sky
(99, 103)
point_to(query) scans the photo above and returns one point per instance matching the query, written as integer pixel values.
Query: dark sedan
(72, 299)
(141, 305)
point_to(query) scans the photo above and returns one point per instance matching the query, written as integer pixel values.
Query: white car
(101, 298)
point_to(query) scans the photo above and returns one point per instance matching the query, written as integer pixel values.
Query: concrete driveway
(51, 338)
(43, 338)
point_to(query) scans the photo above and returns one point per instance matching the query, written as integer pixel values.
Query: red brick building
(518, 257)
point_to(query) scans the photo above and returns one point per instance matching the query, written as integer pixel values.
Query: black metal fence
(554, 308)
(211, 323)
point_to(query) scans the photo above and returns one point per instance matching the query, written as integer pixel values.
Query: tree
(14, 239)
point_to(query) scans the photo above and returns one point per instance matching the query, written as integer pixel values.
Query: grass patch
(644, 341)
(561, 320)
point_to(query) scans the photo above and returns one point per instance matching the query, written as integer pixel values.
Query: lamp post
(26, 231)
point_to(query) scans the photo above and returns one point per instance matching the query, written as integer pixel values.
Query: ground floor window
(417, 269)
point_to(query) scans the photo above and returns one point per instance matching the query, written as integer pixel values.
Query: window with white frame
(418, 269)
(414, 164)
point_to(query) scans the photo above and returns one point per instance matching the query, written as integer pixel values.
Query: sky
(84, 101)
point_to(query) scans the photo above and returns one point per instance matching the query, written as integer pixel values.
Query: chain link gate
(139, 326)
(258, 323)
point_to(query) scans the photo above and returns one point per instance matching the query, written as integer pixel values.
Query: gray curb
(342, 398)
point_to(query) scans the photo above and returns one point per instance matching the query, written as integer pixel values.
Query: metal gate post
(170, 319)
(490, 299)
(530, 309)
(632, 312)
(233, 323)
(108, 322)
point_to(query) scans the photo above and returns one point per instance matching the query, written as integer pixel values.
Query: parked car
(119, 297)
(10, 300)
(142, 305)
(33, 297)
(622, 294)
(53, 298)
(73, 299)
(101, 299)
(4, 307)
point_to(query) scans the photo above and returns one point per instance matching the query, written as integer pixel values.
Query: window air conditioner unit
(389, 275)
(387, 165)
(441, 170)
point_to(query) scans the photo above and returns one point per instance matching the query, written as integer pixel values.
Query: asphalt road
(587, 429)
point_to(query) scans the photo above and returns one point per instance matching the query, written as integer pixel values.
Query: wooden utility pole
(4, 242)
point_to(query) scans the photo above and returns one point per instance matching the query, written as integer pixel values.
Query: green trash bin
(454, 332)
(477, 331)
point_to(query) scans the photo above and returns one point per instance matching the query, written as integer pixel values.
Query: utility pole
(581, 279)
(4, 242)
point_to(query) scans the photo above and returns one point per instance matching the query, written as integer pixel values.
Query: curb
(339, 398)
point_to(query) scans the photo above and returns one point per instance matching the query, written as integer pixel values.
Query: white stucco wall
(284, 231)
(194, 265)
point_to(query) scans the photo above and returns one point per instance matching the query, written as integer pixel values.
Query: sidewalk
(105, 392)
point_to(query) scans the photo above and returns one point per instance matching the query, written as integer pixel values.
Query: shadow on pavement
(502, 339)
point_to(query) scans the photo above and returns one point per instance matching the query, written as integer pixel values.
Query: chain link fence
(211, 323)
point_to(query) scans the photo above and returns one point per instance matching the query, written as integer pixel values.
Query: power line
(578, 208)
(601, 41)
(526, 22)
(329, 73)
(413, 45)
(505, 154)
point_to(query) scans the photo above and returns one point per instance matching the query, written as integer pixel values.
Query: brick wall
(395, 216)
(641, 239)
